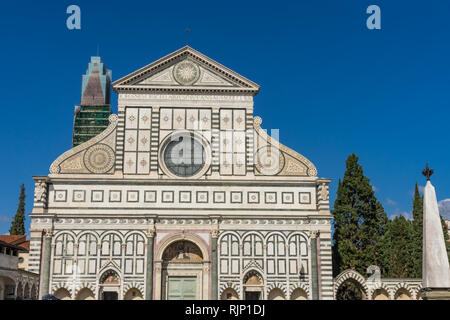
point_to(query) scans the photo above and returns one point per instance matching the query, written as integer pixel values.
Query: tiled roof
(16, 240)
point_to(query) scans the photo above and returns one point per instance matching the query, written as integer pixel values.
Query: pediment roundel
(186, 72)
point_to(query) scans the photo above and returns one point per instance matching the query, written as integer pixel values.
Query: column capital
(215, 233)
(150, 232)
(314, 234)
(48, 233)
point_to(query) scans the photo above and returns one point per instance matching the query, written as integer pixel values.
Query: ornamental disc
(186, 73)
(270, 161)
(99, 158)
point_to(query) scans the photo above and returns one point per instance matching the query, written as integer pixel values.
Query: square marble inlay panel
(304, 197)
(97, 196)
(270, 197)
(253, 197)
(236, 197)
(79, 195)
(115, 196)
(60, 195)
(219, 197)
(167, 196)
(132, 196)
(202, 196)
(288, 197)
(185, 196)
(150, 196)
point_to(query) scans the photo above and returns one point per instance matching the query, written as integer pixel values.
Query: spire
(91, 117)
(95, 88)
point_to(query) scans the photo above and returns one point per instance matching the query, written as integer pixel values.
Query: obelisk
(435, 266)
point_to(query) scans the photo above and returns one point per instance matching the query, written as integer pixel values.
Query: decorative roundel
(269, 161)
(99, 158)
(186, 73)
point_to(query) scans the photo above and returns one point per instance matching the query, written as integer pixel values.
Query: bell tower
(91, 116)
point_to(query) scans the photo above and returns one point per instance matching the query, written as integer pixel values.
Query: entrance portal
(110, 296)
(109, 285)
(182, 288)
(253, 286)
(182, 270)
(252, 295)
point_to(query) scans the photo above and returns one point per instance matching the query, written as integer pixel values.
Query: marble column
(314, 266)
(149, 277)
(214, 265)
(435, 265)
(45, 276)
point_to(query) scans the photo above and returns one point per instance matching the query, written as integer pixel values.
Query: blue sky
(329, 84)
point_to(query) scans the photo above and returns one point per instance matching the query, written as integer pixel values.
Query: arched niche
(133, 294)
(380, 294)
(253, 284)
(182, 268)
(63, 294)
(109, 285)
(351, 289)
(276, 294)
(299, 294)
(402, 294)
(85, 294)
(229, 294)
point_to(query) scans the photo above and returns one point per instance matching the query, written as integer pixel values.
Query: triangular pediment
(185, 70)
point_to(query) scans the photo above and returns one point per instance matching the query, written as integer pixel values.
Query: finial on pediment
(428, 172)
(187, 36)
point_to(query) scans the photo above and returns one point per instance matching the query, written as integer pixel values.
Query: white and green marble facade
(255, 208)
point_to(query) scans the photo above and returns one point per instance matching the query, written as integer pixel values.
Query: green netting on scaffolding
(89, 121)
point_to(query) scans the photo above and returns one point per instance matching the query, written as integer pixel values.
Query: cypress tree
(18, 224)
(359, 222)
(446, 236)
(399, 237)
(417, 240)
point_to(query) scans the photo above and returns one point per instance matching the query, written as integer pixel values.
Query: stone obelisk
(435, 265)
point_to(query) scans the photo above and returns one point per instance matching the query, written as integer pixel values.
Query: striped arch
(136, 285)
(277, 285)
(403, 285)
(63, 285)
(233, 285)
(82, 285)
(380, 285)
(350, 274)
(299, 285)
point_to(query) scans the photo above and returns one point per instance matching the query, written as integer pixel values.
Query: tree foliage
(359, 222)
(18, 223)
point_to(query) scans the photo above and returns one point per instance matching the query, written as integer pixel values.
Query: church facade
(181, 195)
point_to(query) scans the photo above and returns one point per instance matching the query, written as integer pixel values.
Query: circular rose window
(184, 155)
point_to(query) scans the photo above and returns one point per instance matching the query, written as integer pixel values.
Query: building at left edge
(16, 281)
